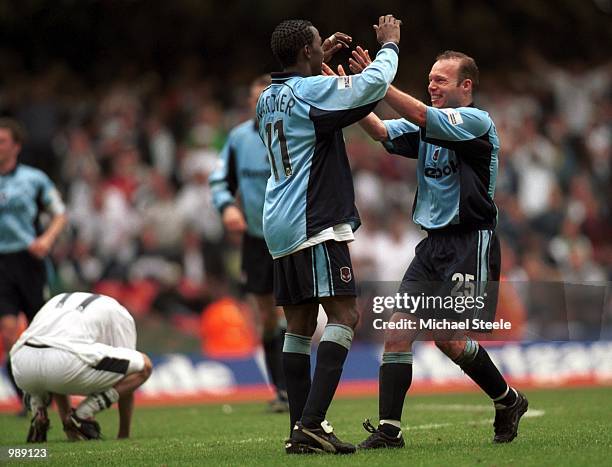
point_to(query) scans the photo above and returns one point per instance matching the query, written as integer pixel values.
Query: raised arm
(334, 43)
(407, 106)
(371, 124)
(342, 100)
(374, 127)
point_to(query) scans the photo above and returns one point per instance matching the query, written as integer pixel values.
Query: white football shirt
(77, 321)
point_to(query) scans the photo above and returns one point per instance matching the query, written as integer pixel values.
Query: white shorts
(38, 371)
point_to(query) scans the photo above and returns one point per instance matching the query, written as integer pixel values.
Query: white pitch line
(253, 440)
(531, 413)
(454, 407)
(427, 426)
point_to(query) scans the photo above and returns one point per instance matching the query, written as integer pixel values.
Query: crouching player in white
(85, 344)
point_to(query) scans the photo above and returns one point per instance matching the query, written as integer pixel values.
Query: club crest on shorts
(345, 274)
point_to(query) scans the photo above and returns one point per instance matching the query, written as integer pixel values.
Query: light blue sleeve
(403, 137)
(332, 93)
(460, 124)
(398, 127)
(51, 198)
(223, 181)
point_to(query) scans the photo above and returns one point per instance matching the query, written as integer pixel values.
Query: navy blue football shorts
(323, 270)
(456, 274)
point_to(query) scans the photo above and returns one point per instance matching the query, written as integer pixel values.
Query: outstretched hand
(327, 71)
(333, 43)
(388, 29)
(360, 60)
(357, 63)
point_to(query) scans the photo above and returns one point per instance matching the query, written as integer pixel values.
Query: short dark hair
(12, 125)
(288, 38)
(467, 69)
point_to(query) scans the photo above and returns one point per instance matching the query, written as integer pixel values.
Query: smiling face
(314, 52)
(444, 87)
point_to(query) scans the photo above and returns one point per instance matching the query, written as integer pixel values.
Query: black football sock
(296, 367)
(331, 354)
(273, 348)
(507, 399)
(394, 379)
(476, 363)
(9, 372)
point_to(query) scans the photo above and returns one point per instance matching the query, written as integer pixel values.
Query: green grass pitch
(564, 427)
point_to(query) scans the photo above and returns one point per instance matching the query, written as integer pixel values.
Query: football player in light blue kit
(310, 214)
(457, 148)
(25, 193)
(243, 170)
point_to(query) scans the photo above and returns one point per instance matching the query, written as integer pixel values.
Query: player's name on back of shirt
(275, 103)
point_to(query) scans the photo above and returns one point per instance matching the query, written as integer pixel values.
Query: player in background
(79, 343)
(457, 148)
(25, 193)
(310, 213)
(244, 167)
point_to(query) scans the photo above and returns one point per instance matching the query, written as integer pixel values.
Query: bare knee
(349, 318)
(395, 341)
(341, 310)
(301, 319)
(398, 347)
(307, 326)
(398, 339)
(453, 349)
(147, 369)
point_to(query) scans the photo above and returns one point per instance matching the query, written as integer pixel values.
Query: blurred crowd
(132, 159)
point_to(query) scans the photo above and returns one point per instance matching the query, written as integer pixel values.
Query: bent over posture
(79, 343)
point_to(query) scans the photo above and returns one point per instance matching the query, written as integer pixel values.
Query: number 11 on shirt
(278, 127)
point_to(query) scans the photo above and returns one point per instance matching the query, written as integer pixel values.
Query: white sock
(93, 403)
(497, 399)
(395, 423)
(38, 402)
